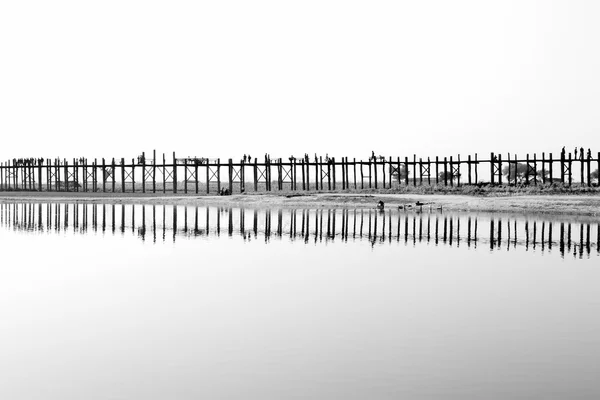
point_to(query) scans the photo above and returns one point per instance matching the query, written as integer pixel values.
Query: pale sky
(224, 78)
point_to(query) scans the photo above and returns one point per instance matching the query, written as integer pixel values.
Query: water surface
(105, 301)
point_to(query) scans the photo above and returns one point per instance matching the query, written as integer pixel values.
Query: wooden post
(370, 173)
(39, 165)
(123, 174)
(218, 175)
(174, 173)
(527, 170)
(492, 168)
(230, 176)
(329, 174)
(318, 174)
(535, 175)
(582, 163)
(458, 169)
(185, 175)
(143, 172)
(451, 172)
(500, 169)
(469, 164)
(570, 170)
(303, 175)
(154, 171)
(354, 166)
(429, 171)
(414, 170)
(476, 169)
(255, 168)
(114, 171)
(375, 173)
(383, 172)
(133, 175)
(543, 168)
(103, 175)
(343, 174)
(562, 167)
(420, 171)
(589, 170)
(437, 170)
(445, 171)
(294, 175)
(196, 176)
(307, 165)
(550, 174)
(362, 181)
(164, 174)
(406, 167)
(598, 162)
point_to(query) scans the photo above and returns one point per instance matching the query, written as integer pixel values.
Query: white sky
(224, 78)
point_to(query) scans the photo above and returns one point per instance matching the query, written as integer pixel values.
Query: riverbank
(580, 204)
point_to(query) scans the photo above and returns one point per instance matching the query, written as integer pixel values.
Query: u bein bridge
(195, 175)
(167, 222)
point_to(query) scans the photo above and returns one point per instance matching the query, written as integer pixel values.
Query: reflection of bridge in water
(159, 222)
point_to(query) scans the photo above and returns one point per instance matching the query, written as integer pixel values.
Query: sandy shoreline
(540, 204)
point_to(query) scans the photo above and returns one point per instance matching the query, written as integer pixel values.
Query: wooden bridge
(196, 174)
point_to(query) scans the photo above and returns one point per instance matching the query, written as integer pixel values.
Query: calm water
(160, 302)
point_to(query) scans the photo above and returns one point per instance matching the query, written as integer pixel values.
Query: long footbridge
(206, 175)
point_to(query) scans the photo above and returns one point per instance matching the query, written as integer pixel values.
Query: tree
(448, 175)
(400, 174)
(520, 172)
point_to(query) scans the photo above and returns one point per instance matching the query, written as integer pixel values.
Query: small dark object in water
(418, 203)
(380, 205)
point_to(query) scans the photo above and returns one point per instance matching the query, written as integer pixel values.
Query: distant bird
(380, 205)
